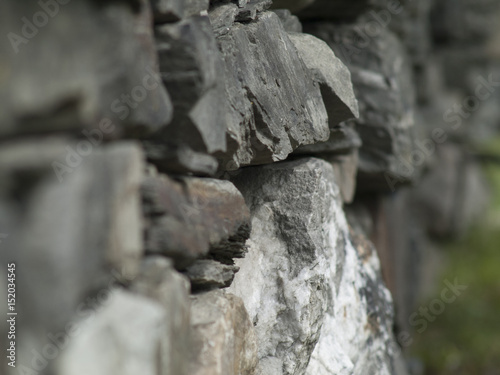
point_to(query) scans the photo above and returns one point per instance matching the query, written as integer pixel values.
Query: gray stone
(297, 278)
(168, 10)
(343, 140)
(95, 89)
(209, 274)
(191, 216)
(192, 70)
(249, 11)
(195, 7)
(332, 76)
(343, 10)
(224, 338)
(291, 23)
(382, 83)
(345, 168)
(123, 336)
(66, 234)
(274, 104)
(222, 17)
(293, 5)
(452, 195)
(180, 159)
(159, 281)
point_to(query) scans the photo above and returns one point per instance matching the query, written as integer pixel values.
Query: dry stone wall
(213, 187)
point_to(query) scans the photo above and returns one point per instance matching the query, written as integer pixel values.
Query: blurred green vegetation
(465, 339)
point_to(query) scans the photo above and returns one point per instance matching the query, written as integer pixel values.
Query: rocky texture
(466, 21)
(122, 87)
(66, 235)
(332, 76)
(382, 84)
(123, 336)
(168, 10)
(224, 336)
(247, 88)
(191, 68)
(274, 105)
(160, 282)
(209, 274)
(296, 280)
(251, 9)
(191, 216)
(290, 23)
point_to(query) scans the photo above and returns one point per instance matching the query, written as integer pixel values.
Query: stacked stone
(174, 175)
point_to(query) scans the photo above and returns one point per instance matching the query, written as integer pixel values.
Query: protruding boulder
(223, 336)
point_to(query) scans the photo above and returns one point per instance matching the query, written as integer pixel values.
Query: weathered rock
(222, 17)
(293, 5)
(345, 168)
(291, 23)
(124, 336)
(274, 105)
(159, 281)
(66, 232)
(298, 276)
(382, 83)
(450, 214)
(464, 21)
(249, 11)
(192, 216)
(332, 76)
(191, 67)
(180, 159)
(343, 140)
(168, 10)
(94, 86)
(209, 274)
(224, 338)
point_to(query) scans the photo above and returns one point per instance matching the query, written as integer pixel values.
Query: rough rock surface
(274, 105)
(123, 336)
(94, 226)
(223, 336)
(206, 274)
(382, 83)
(94, 85)
(303, 278)
(159, 281)
(191, 216)
(332, 76)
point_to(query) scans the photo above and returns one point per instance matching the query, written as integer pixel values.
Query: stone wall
(195, 187)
